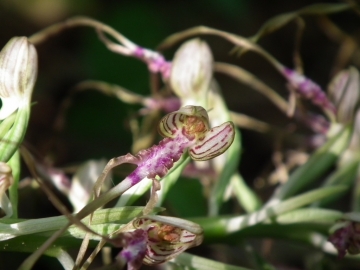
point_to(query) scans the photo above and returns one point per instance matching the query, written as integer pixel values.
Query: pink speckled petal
(216, 141)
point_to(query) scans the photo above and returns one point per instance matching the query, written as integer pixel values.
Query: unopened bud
(344, 93)
(192, 70)
(18, 72)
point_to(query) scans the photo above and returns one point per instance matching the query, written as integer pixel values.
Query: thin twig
(251, 80)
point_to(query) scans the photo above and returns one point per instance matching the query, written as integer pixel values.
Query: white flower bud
(192, 70)
(18, 72)
(344, 93)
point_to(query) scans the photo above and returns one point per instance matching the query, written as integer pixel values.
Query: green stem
(14, 137)
(14, 163)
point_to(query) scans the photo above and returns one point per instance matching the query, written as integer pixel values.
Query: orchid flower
(186, 130)
(345, 235)
(157, 239)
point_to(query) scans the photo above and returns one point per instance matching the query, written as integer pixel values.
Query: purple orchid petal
(155, 61)
(134, 248)
(347, 239)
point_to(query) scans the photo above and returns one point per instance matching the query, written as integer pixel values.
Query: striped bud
(192, 69)
(18, 71)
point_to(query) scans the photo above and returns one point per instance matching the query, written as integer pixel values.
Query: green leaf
(200, 263)
(193, 204)
(345, 175)
(305, 198)
(313, 235)
(14, 163)
(104, 229)
(120, 215)
(170, 180)
(310, 215)
(62, 256)
(244, 194)
(221, 227)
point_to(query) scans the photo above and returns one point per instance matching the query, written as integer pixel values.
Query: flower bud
(192, 70)
(18, 71)
(344, 92)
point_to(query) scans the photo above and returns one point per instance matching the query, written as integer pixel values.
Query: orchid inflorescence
(187, 92)
(184, 130)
